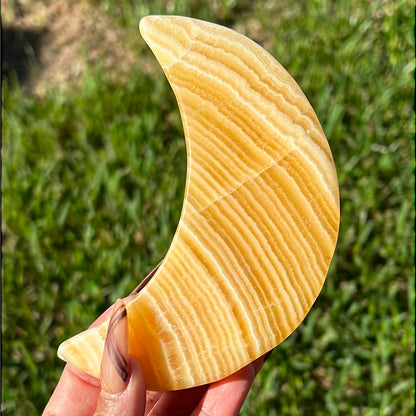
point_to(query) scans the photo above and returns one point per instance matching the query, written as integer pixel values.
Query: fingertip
(136, 381)
(129, 402)
(135, 394)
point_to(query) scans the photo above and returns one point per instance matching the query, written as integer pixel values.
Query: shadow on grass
(20, 53)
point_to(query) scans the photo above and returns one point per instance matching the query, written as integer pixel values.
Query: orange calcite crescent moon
(260, 216)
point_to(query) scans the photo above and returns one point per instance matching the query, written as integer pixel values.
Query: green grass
(93, 184)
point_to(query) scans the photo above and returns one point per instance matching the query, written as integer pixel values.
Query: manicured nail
(258, 364)
(114, 364)
(145, 281)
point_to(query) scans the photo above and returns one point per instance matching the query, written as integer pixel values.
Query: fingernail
(114, 364)
(145, 281)
(258, 364)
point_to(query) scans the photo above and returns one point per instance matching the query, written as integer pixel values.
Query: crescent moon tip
(167, 36)
(145, 22)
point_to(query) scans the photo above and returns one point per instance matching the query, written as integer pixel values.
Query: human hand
(121, 389)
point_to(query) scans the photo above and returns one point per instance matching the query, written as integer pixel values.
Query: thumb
(123, 391)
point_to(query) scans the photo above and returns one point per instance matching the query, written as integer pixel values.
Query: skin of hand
(121, 389)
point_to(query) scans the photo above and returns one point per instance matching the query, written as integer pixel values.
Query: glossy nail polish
(114, 364)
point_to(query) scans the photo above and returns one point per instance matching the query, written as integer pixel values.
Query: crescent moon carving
(259, 221)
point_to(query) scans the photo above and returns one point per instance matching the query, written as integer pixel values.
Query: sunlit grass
(92, 191)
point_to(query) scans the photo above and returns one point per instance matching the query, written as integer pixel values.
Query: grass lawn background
(93, 178)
